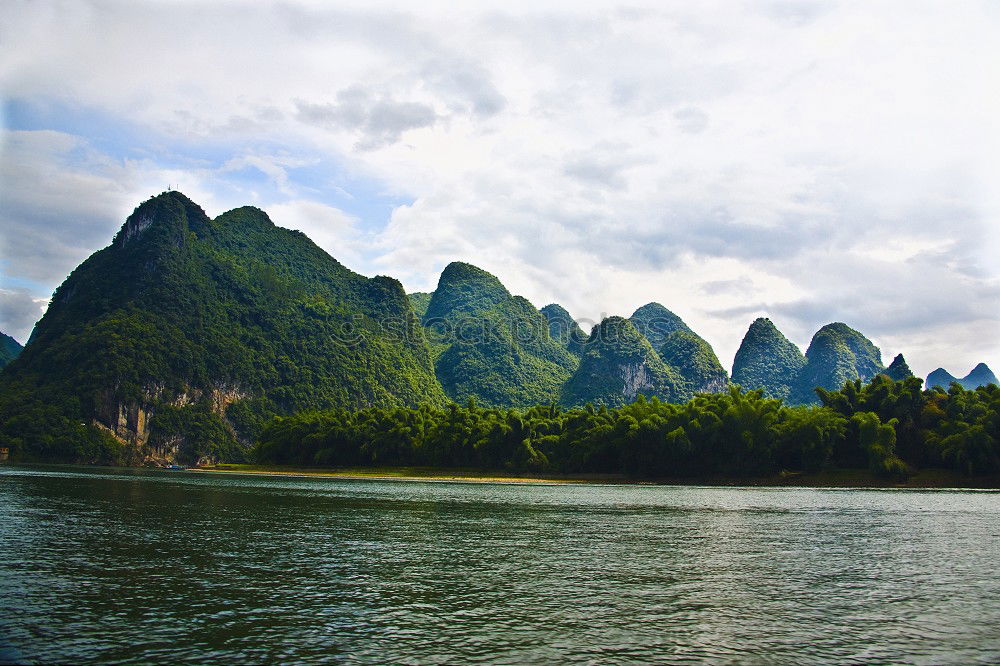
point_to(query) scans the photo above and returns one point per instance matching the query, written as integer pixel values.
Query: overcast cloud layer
(811, 162)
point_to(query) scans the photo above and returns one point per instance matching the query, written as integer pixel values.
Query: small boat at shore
(175, 467)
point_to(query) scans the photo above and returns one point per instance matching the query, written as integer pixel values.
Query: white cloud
(815, 161)
(332, 229)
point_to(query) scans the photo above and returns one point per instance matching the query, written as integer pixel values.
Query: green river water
(121, 566)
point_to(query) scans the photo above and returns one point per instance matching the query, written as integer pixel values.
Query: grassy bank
(837, 478)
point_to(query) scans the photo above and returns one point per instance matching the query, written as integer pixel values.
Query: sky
(806, 161)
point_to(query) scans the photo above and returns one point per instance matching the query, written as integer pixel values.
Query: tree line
(889, 427)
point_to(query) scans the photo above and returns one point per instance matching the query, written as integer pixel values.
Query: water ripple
(106, 566)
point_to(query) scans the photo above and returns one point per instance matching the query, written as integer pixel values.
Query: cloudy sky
(807, 161)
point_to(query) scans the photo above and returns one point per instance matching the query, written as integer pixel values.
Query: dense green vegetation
(212, 327)
(898, 369)
(490, 345)
(655, 322)
(836, 354)
(419, 300)
(9, 349)
(619, 364)
(767, 360)
(685, 352)
(695, 360)
(182, 339)
(889, 427)
(564, 329)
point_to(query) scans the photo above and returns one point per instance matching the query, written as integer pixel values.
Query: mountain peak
(171, 213)
(464, 287)
(981, 375)
(898, 370)
(617, 365)
(564, 329)
(767, 360)
(837, 354)
(656, 322)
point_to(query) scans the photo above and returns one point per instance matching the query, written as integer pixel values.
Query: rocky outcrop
(131, 421)
(619, 364)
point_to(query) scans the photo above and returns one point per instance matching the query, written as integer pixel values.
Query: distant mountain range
(185, 335)
(980, 375)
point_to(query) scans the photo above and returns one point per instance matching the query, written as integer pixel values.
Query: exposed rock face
(129, 421)
(836, 355)
(898, 370)
(158, 339)
(634, 379)
(134, 227)
(767, 360)
(564, 329)
(981, 375)
(617, 365)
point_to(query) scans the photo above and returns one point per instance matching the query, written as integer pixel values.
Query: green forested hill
(490, 345)
(617, 366)
(655, 323)
(419, 300)
(9, 349)
(767, 360)
(564, 329)
(682, 349)
(836, 355)
(186, 334)
(695, 361)
(898, 370)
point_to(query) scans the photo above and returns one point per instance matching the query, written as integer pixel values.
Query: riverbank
(838, 478)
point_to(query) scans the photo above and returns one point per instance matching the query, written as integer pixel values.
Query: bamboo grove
(889, 427)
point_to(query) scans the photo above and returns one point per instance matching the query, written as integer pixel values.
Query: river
(101, 565)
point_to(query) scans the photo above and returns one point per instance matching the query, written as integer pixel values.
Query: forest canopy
(892, 428)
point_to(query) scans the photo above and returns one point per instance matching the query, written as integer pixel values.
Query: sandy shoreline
(941, 479)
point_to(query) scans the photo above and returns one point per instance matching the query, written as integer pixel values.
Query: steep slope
(981, 375)
(898, 370)
(564, 329)
(419, 300)
(767, 360)
(941, 378)
(185, 334)
(617, 365)
(9, 349)
(681, 348)
(655, 323)
(695, 361)
(490, 345)
(837, 354)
